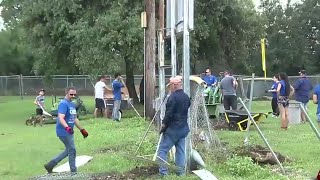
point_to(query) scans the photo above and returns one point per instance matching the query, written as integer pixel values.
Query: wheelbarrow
(238, 120)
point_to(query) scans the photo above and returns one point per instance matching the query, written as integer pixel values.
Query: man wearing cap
(302, 88)
(99, 90)
(39, 101)
(174, 127)
(229, 85)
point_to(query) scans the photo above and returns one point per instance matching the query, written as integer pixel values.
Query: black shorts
(39, 112)
(100, 103)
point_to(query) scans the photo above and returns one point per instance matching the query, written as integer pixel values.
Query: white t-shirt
(99, 90)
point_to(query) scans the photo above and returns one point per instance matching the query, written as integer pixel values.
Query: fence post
(67, 81)
(21, 83)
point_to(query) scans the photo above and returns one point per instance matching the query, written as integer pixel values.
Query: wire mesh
(201, 128)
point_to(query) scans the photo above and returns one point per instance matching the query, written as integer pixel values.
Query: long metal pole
(186, 73)
(262, 136)
(161, 51)
(246, 140)
(310, 121)
(173, 37)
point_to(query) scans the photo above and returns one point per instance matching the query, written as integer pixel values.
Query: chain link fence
(18, 85)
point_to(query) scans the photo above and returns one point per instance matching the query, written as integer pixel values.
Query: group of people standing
(228, 85)
(282, 90)
(100, 90)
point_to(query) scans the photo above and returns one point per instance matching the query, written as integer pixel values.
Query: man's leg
(226, 104)
(97, 108)
(234, 103)
(165, 145)
(180, 156)
(71, 153)
(116, 108)
(58, 158)
(303, 116)
(318, 117)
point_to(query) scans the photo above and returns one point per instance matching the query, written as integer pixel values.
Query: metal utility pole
(161, 51)
(149, 64)
(173, 37)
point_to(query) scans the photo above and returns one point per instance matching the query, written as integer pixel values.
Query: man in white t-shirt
(99, 90)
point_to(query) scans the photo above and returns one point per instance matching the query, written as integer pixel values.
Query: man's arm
(62, 120)
(169, 111)
(62, 110)
(122, 82)
(77, 123)
(291, 91)
(36, 101)
(315, 95)
(235, 83)
(315, 98)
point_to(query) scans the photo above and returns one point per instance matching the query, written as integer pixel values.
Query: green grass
(24, 149)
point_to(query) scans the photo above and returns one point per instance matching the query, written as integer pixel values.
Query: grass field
(24, 149)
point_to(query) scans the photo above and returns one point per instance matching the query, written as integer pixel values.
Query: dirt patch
(138, 172)
(261, 154)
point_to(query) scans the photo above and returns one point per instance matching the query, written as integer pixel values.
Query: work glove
(69, 130)
(84, 133)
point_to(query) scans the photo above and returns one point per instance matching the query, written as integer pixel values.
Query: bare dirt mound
(138, 172)
(261, 154)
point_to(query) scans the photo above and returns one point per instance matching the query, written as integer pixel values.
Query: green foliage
(15, 56)
(242, 166)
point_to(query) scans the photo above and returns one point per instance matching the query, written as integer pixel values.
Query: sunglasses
(73, 94)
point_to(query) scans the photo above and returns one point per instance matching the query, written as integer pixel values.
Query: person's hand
(84, 133)
(69, 130)
(163, 129)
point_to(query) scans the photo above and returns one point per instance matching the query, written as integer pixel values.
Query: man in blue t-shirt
(117, 84)
(66, 120)
(210, 80)
(316, 99)
(302, 89)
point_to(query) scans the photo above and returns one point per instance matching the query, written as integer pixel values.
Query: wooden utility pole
(149, 64)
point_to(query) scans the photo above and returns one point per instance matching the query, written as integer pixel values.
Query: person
(39, 101)
(117, 84)
(210, 81)
(274, 101)
(228, 86)
(284, 91)
(302, 88)
(66, 120)
(99, 90)
(316, 99)
(174, 128)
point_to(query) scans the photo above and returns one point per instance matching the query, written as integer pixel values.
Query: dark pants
(274, 105)
(230, 101)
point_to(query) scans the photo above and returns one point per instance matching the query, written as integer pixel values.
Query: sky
(256, 2)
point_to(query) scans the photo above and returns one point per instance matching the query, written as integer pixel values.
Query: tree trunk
(150, 49)
(130, 80)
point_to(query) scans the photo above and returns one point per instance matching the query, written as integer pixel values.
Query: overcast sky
(257, 2)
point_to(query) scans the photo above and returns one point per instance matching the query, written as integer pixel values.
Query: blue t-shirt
(67, 108)
(210, 79)
(316, 91)
(283, 88)
(116, 86)
(274, 87)
(302, 88)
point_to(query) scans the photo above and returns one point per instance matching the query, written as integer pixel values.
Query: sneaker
(49, 169)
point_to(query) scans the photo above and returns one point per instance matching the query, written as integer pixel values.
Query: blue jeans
(165, 145)
(116, 108)
(70, 151)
